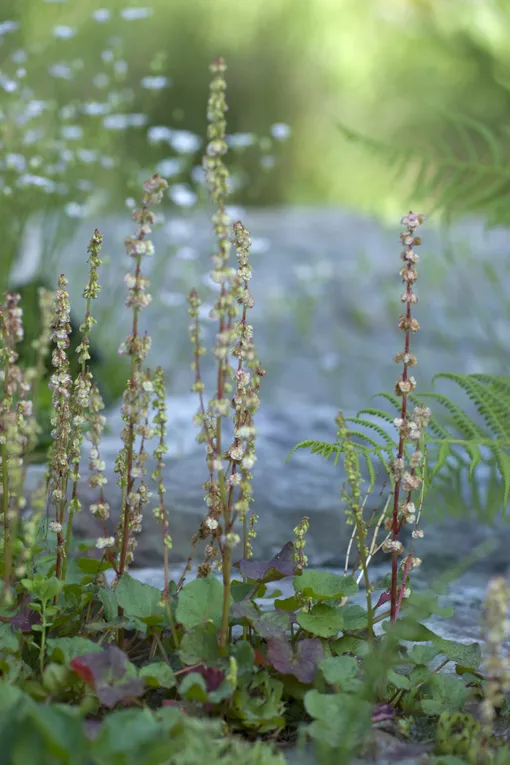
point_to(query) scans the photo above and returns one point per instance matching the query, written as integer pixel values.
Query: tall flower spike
(15, 429)
(41, 346)
(61, 387)
(229, 469)
(248, 378)
(496, 630)
(136, 400)
(81, 398)
(160, 512)
(408, 481)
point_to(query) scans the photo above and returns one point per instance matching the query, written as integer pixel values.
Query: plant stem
(5, 488)
(227, 552)
(366, 577)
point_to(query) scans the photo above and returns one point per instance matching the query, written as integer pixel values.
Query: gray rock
(307, 485)
(326, 286)
(284, 493)
(326, 290)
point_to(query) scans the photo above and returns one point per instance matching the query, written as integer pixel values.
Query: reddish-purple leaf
(282, 565)
(212, 675)
(302, 663)
(111, 695)
(385, 598)
(82, 669)
(25, 617)
(383, 711)
(105, 672)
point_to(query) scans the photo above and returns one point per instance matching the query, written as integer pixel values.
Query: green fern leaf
(322, 448)
(390, 442)
(488, 404)
(469, 174)
(503, 462)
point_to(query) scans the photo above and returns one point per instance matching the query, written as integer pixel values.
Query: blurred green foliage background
(387, 68)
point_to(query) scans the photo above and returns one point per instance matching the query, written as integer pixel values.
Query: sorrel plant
(240, 679)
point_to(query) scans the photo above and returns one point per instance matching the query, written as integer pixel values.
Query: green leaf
(355, 618)
(245, 611)
(61, 730)
(257, 704)
(423, 654)
(199, 644)
(340, 720)
(158, 674)
(341, 671)
(114, 625)
(137, 599)
(272, 624)
(66, 649)
(8, 639)
(349, 644)
(448, 694)
(420, 674)
(200, 601)
(124, 731)
(294, 603)
(241, 591)
(243, 653)
(43, 588)
(398, 680)
(422, 605)
(322, 620)
(407, 628)
(10, 695)
(225, 691)
(107, 598)
(323, 585)
(467, 655)
(193, 687)
(92, 565)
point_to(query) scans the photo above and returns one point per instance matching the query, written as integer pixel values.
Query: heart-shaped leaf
(324, 585)
(321, 620)
(273, 624)
(302, 663)
(341, 672)
(200, 601)
(107, 673)
(282, 565)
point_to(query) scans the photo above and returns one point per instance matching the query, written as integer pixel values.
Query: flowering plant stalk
(161, 449)
(495, 630)
(13, 431)
(61, 387)
(409, 428)
(82, 386)
(232, 338)
(136, 397)
(354, 511)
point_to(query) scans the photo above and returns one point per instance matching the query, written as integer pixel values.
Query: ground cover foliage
(97, 667)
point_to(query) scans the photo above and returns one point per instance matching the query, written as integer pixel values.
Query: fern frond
(467, 176)
(503, 463)
(490, 405)
(461, 420)
(322, 448)
(390, 442)
(454, 441)
(394, 400)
